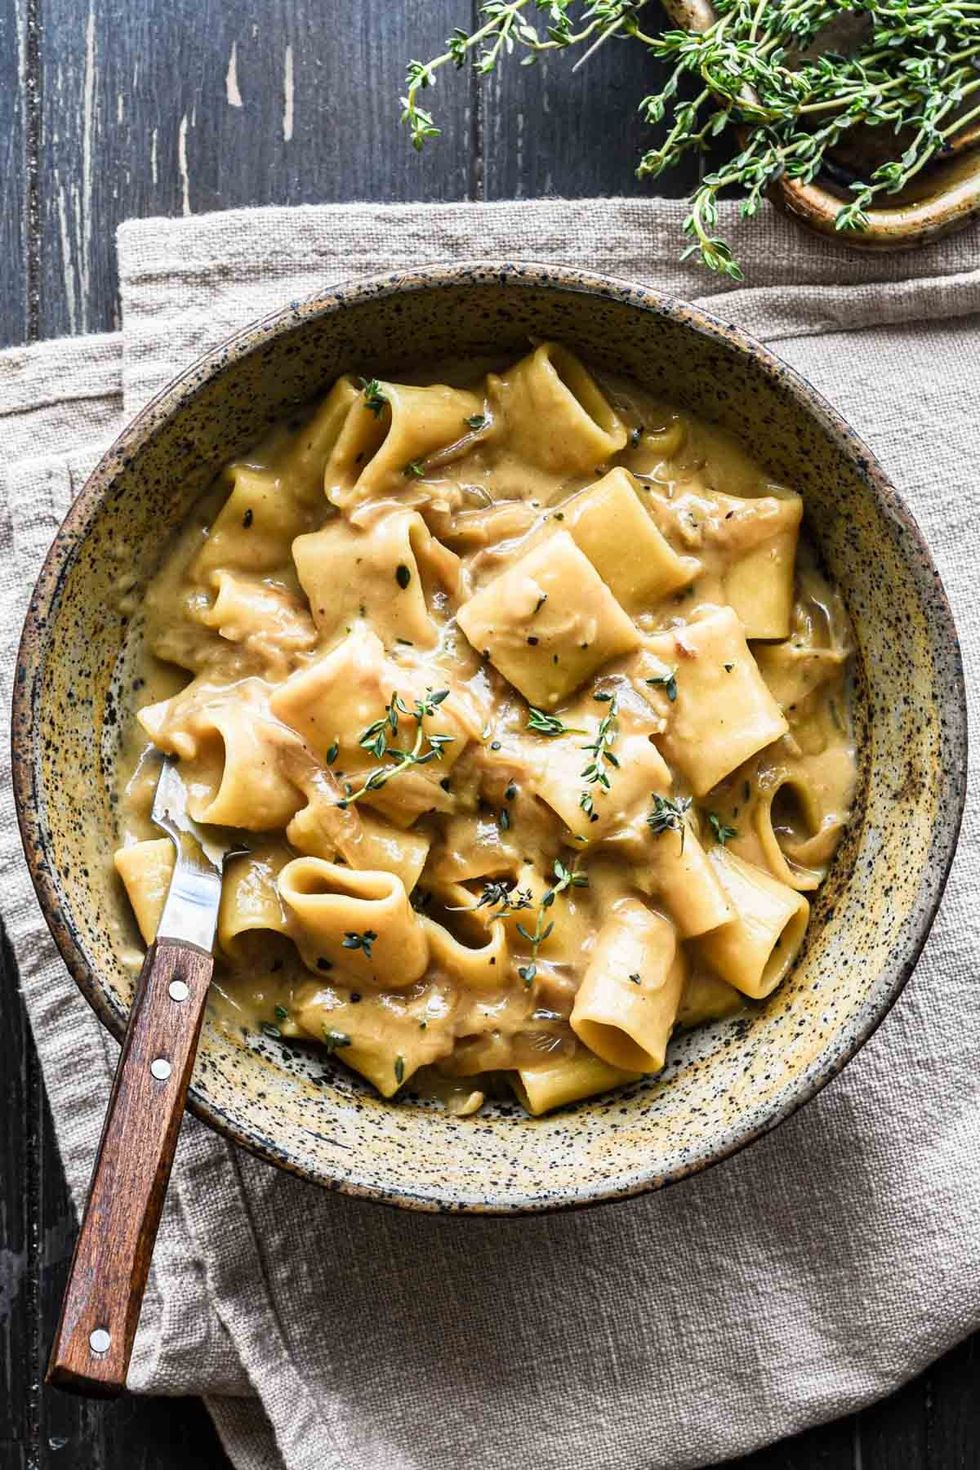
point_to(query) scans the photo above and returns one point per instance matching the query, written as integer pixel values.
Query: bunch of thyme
(761, 76)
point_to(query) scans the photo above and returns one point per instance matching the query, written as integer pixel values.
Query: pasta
(626, 1005)
(528, 702)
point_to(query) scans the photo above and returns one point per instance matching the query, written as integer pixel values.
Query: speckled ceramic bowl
(725, 1084)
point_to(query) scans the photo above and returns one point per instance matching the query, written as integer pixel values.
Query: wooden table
(114, 108)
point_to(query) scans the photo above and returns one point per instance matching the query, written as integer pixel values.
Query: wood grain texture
(14, 174)
(213, 104)
(112, 108)
(19, 1315)
(548, 129)
(111, 1261)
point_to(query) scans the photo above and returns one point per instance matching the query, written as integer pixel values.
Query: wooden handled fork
(100, 1312)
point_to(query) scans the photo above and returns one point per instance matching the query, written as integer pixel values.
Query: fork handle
(101, 1307)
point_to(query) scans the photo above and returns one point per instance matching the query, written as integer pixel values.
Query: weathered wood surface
(115, 108)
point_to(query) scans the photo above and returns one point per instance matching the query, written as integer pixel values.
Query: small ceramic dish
(725, 1084)
(943, 198)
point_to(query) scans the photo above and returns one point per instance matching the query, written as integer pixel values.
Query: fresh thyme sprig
(564, 878)
(378, 736)
(760, 75)
(668, 814)
(595, 773)
(503, 28)
(544, 724)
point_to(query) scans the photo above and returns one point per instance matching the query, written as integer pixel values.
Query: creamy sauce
(579, 567)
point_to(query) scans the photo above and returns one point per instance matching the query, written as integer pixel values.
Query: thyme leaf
(334, 1040)
(544, 724)
(668, 815)
(506, 900)
(667, 682)
(374, 397)
(354, 940)
(722, 833)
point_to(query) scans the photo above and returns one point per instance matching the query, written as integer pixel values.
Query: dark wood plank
(894, 1433)
(547, 129)
(934, 1421)
(18, 1301)
(13, 171)
(953, 1408)
(827, 1447)
(213, 104)
(68, 1428)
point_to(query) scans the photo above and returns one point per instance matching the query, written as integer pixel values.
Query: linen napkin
(793, 1283)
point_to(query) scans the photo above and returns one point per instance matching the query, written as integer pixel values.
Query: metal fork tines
(190, 913)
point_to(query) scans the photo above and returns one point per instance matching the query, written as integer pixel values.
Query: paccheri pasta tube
(527, 701)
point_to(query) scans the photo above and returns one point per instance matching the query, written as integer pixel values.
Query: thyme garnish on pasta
(335, 1041)
(763, 76)
(377, 737)
(595, 773)
(721, 832)
(374, 397)
(564, 878)
(541, 723)
(354, 940)
(667, 682)
(668, 815)
(510, 900)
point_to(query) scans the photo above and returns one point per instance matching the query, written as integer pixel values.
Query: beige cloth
(791, 1284)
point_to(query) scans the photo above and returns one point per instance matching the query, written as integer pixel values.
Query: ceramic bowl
(725, 1084)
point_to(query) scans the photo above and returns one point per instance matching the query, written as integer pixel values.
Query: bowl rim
(510, 275)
